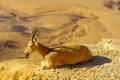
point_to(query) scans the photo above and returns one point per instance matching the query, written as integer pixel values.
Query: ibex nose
(26, 55)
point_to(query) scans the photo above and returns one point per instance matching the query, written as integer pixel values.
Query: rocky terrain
(102, 66)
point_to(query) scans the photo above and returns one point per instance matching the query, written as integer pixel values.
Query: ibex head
(32, 44)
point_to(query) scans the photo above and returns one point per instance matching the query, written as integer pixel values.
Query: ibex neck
(43, 50)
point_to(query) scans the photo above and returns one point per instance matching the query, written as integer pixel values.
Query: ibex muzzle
(32, 45)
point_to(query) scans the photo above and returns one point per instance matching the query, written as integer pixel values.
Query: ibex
(57, 56)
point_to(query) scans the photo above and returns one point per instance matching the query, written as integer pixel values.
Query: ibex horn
(33, 34)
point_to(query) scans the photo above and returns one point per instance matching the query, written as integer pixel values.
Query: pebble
(84, 69)
(112, 74)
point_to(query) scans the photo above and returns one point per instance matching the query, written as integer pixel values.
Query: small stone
(34, 77)
(84, 68)
(76, 69)
(53, 70)
(112, 74)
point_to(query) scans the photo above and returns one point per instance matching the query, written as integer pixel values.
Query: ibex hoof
(45, 67)
(42, 67)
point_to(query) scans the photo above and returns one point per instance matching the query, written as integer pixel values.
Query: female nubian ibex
(57, 56)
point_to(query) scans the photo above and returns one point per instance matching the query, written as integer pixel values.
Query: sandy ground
(60, 22)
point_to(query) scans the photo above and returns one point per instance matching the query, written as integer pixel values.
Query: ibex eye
(31, 45)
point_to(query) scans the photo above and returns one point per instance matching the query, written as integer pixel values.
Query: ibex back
(61, 55)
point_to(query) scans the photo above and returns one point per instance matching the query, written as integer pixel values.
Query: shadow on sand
(95, 61)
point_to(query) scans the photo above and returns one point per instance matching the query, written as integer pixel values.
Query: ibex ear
(36, 39)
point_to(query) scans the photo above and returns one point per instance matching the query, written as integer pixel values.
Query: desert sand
(95, 24)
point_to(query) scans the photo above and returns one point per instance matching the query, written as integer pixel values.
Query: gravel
(104, 66)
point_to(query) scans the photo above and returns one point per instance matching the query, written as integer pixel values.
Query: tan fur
(60, 55)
